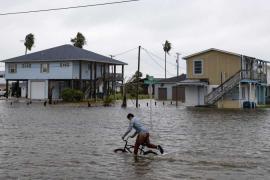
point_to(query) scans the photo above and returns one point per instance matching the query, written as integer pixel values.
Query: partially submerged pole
(177, 61)
(138, 74)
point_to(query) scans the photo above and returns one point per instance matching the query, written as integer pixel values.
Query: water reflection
(58, 142)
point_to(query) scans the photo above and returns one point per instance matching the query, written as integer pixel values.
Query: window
(197, 67)
(12, 68)
(26, 65)
(44, 68)
(64, 64)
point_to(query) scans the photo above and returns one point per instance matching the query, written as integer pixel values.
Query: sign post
(150, 81)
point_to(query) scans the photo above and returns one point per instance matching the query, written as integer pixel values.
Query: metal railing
(216, 94)
(230, 83)
(254, 75)
(110, 76)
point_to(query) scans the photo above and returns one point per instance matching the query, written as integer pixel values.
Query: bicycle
(130, 148)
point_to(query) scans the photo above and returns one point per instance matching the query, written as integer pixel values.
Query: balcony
(254, 75)
(110, 76)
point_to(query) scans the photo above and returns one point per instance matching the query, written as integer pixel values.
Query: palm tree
(79, 41)
(166, 47)
(29, 42)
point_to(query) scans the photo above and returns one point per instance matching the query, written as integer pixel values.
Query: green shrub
(72, 95)
(108, 101)
(116, 96)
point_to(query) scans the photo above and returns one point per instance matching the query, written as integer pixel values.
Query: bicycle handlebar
(126, 139)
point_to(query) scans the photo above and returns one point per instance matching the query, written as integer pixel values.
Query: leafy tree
(131, 84)
(29, 42)
(166, 47)
(79, 41)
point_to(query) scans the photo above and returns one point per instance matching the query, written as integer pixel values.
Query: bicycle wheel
(120, 151)
(150, 152)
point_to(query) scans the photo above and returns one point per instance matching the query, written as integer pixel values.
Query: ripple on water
(58, 142)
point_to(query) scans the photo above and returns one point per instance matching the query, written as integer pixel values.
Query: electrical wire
(172, 64)
(66, 8)
(149, 54)
(156, 61)
(125, 52)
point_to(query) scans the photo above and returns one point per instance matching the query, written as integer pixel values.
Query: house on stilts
(44, 74)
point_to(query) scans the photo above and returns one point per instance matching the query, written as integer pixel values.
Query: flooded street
(61, 142)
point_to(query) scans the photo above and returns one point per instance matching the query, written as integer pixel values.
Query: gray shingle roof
(175, 79)
(65, 53)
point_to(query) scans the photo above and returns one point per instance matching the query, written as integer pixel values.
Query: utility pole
(113, 73)
(138, 73)
(177, 62)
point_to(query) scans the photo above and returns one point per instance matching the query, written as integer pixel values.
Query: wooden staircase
(225, 87)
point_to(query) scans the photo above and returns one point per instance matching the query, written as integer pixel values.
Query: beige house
(224, 79)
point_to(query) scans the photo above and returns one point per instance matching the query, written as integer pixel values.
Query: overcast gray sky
(240, 26)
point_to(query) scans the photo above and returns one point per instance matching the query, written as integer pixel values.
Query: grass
(263, 106)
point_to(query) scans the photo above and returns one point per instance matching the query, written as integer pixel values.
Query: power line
(125, 52)
(172, 64)
(156, 61)
(65, 8)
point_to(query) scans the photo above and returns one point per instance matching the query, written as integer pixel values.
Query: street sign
(150, 80)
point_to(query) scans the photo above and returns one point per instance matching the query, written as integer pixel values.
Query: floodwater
(61, 142)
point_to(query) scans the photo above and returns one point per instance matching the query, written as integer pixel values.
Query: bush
(116, 96)
(108, 101)
(72, 95)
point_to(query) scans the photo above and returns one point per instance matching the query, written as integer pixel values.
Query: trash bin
(246, 104)
(253, 105)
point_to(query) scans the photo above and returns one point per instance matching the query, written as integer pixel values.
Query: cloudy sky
(240, 26)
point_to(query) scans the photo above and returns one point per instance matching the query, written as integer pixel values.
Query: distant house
(225, 79)
(46, 73)
(166, 89)
(2, 81)
(145, 86)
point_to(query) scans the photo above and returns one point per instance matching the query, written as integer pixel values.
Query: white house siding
(194, 95)
(55, 71)
(250, 94)
(268, 75)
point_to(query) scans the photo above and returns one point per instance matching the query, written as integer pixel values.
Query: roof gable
(65, 53)
(209, 50)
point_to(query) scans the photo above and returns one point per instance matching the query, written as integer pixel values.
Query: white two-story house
(46, 73)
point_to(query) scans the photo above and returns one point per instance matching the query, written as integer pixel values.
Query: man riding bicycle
(142, 134)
